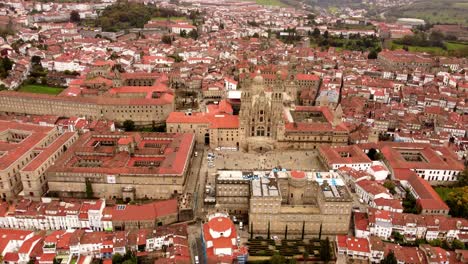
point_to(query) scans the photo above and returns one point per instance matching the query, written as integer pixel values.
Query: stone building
(103, 93)
(216, 128)
(26, 151)
(295, 199)
(269, 119)
(123, 165)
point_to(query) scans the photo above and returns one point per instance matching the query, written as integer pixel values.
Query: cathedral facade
(269, 119)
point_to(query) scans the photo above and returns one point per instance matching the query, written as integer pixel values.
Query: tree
(183, 33)
(268, 232)
(457, 200)
(166, 39)
(117, 259)
(399, 238)
(372, 55)
(409, 204)
(75, 17)
(390, 185)
(286, 233)
(193, 34)
(89, 189)
(305, 255)
(303, 230)
(35, 60)
(325, 255)
(320, 232)
(5, 66)
(373, 154)
(316, 32)
(390, 258)
(129, 125)
(277, 259)
(435, 242)
(463, 178)
(457, 244)
(325, 34)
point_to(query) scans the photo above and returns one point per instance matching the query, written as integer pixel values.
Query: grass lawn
(443, 192)
(440, 11)
(170, 18)
(432, 50)
(42, 89)
(268, 2)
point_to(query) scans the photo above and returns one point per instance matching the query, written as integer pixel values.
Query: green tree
(75, 17)
(129, 125)
(183, 33)
(303, 230)
(316, 33)
(457, 244)
(325, 254)
(435, 242)
(305, 255)
(5, 66)
(89, 189)
(390, 185)
(35, 60)
(457, 200)
(372, 55)
(166, 39)
(286, 233)
(463, 178)
(117, 259)
(277, 259)
(389, 258)
(193, 34)
(251, 230)
(409, 204)
(268, 231)
(325, 34)
(399, 238)
(320, 232)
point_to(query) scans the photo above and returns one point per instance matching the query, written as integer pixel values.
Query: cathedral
(270, 119)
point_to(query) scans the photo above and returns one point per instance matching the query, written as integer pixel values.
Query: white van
(196, 260)
(241, 225)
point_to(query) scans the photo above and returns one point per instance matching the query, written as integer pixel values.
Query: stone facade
(283, 199)
(142, 97)
(27, 150)
(269, 119)
(124, 165)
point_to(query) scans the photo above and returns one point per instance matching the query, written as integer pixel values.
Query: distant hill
(434, 11)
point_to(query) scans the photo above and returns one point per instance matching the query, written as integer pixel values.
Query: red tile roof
(145, 212)
(428, 198)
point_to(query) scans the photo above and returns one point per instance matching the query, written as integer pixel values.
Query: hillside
(434, 12)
